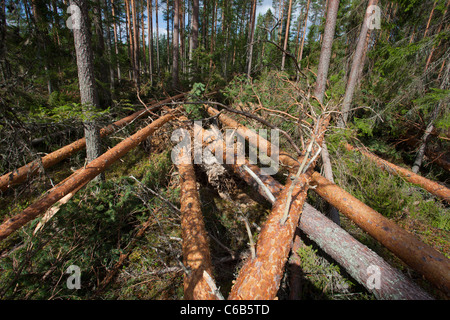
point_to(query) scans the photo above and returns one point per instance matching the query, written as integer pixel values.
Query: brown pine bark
(116, 41)
(251, 38)
(196, 254)
(260, 277)
(300, 52)
(429, 19)
(194, 32)
(130, 39)
(353, 256)
(136, 46)
(430, 56)
(150, 38)
(431, 186)
(157, 38)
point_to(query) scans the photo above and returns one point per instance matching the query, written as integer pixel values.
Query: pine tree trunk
(86, 79)
(194, 33)
(300, 53)
(157, 38)
(116, 41)
(286, 37)
(353, 77)
(175, 42)
(150, 38)
(130, 39)
(136, 46)
(430, 127)
(251, 38)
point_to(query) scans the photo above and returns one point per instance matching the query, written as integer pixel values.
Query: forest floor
(99, 224)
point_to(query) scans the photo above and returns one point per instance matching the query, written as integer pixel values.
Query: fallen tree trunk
(429, 185)
(341, 246)
(260, 277)
(353, 256)
(196, 254)
(80, 177)
(432, 264)
(21, 174)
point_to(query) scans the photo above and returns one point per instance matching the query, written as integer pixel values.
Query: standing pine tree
(86, 79)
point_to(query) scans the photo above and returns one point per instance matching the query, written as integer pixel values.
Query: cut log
(79, 178)
(27, 171)
(429, 185)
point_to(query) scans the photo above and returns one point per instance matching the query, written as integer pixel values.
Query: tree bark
(196, 254)
(300, 53)
(158, 65)
(136, 47)
(116, 45)
(421, 257)
(86, 79)
(353, 256)
(286, 37)
(175, 45)
(321, 82)
(150, 38)
(431, 186)
(251, 38)
(194, 34)
(353, 77)
(260, 277)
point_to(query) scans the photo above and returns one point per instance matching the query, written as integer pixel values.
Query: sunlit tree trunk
(354, 72)
(175, 42)
(86, 79)
(286, 37)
